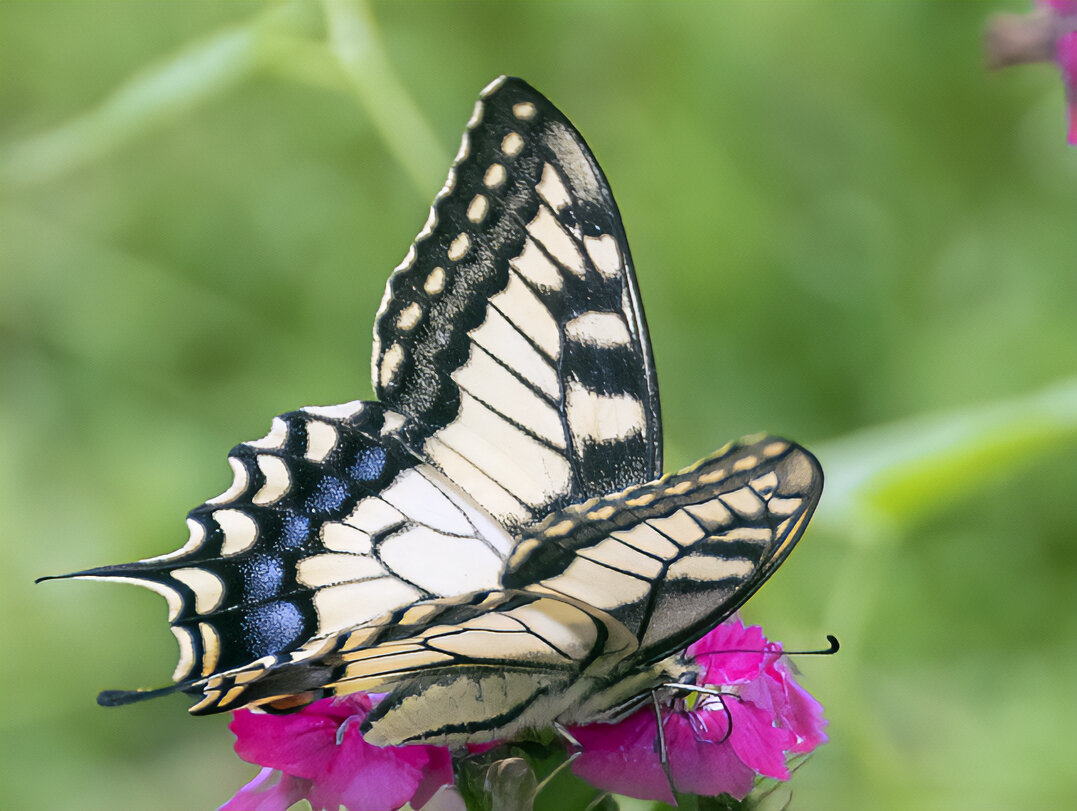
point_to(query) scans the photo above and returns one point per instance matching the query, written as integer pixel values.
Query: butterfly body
(491, 543)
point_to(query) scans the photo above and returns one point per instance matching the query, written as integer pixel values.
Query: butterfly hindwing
(673, 558)
(513, 336)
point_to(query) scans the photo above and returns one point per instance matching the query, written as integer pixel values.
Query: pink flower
(1049, 34)
(771, 716)
(1064, 13)
(303, 760)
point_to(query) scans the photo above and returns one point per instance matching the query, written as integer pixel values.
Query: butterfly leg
(660, 742)
(709, 691)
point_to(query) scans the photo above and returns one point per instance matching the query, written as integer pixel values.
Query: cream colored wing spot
(211, 647)
(598, 585)
(321, 439)
(186, 652)
(172, 597)
(275, 439)
(318, 571)
(745, 502)
(490, 382)
(712, 514)
(338, 537)
(441, 564)
(435, 282)
(709, 568)
(418, 614)
(208, 588)
(391, 423)
(713, 476)
(529, 315)
(495, 447)
(240, 531)
(679, 527)
(783, 507)
(494, 176)
(344, 411)
(603, 417)
(745, 463)
(561, 624)
(459, 247)
(480, 644)
(617, 554)
(756, 535)
(277, 479)
(349, 604)
(599, 329)
(647, 539)
(546, 230)
(477, 208)
(491, 494)
(418, 497)
(409, 317)
(524, 110)
(766, 484)
(605, 255)
(533, 265)
(552, 189)
(391, 362)
(240, 481)
(511, 144)
(373, 515)
(602, 513)
(501, 339)
(775, 448)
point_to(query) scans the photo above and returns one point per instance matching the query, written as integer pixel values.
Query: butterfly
(491, 543)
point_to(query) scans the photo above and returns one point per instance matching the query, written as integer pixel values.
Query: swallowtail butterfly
(491, 543)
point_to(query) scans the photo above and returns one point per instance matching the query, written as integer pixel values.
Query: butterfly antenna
(833, 646)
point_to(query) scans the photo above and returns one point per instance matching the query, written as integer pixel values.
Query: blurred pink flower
(772, 716)
(1065, 20)
(303, 760)
(1048, 34)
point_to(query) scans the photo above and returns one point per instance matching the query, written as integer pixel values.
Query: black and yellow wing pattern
(491, 543)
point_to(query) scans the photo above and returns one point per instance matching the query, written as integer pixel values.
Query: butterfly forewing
(512, 336)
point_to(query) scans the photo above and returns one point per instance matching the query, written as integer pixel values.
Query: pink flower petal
(263, 794)
(621, 757)
(699, 763)
(352, 773)
(758, 743)
(1067, 61)
(721, 667)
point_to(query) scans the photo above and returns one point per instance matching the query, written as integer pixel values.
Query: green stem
(354, 41)
(157, 94)
(893, 475)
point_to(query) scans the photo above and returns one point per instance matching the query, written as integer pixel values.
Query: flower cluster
(716, 745)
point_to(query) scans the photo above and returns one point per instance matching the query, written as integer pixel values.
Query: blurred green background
(845, 230)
